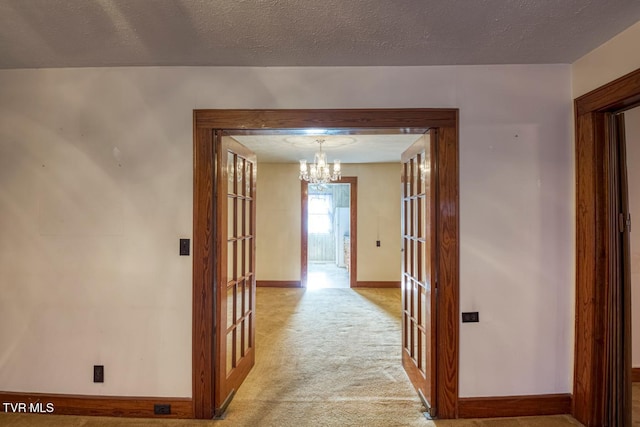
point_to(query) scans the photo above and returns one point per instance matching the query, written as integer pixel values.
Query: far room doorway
(329, 234)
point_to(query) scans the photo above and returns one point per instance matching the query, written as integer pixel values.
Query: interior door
(235, 278)
(618, 341)
(419, 249)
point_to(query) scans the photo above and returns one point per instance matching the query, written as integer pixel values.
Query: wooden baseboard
(278, 284)
(635, 375)
(107, 406)
(363, 284)
(514, 406)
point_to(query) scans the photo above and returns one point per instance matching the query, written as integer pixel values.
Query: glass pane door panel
(246, 334)
(230, 216)
(231, 173)
(238, 300)
(229, 351)
(230, 273)
(238, 342)
(230, 306)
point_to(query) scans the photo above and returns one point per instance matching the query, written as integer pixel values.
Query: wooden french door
(419, 267)
(235, 281)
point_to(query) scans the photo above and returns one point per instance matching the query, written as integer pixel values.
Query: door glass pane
(247, 218)
(405, 212)
(419, 169)
(417, 221)
(245, 326)
(229, 255)
(406, 254)
(239, 174)
(414, 341)
(230, 306)
(238, 341)
(231, 174)
(230, 216)
(248, 178)
(238, 217)
(421, 256)
(247, 254)
(423, 216)
(416, 175)
(426, 264)
(416, 271)
(241, 217)
(423, 308)
(424, 362)
(409, 178)
(410, 217)
(229, 352)
(414, 301)
(406, 179)
(419, 349)
(247, 297)
(239, 258)
(238, 299)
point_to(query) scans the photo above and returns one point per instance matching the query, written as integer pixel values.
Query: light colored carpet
(329, 357)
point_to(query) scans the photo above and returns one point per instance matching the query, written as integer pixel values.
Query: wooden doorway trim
(353, 230)
(592, 247)
(204, 256)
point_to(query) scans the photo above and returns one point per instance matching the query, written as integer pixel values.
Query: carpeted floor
(326, 275)
(326, 357)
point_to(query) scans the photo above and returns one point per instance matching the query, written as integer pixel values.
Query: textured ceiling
(83, 33)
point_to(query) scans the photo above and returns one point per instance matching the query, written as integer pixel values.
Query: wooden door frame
(353, 229)
(205, 122)
(592, 241)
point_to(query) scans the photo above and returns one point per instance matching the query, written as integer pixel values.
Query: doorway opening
(328, 236)
(209, 128)
(602, 362)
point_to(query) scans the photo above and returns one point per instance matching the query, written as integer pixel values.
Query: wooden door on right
(419, 275)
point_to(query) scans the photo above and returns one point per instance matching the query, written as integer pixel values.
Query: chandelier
(319, 171)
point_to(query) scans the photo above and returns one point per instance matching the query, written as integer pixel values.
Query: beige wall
(278, 221)
(613, 59)
(96, 188)
(632, 125)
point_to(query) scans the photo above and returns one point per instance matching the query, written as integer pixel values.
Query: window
(320, 213)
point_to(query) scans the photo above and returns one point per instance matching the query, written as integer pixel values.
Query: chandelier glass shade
(319, 172)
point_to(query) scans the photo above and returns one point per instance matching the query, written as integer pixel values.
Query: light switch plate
(184, 247)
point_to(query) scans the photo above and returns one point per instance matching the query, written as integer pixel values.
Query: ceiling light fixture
(319, 172)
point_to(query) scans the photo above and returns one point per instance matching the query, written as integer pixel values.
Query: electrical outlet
(98, 373)
(184, 247)
(470, 317)
(378, 243)
(159, 409)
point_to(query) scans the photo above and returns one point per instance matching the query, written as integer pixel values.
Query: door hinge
(624, 224)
